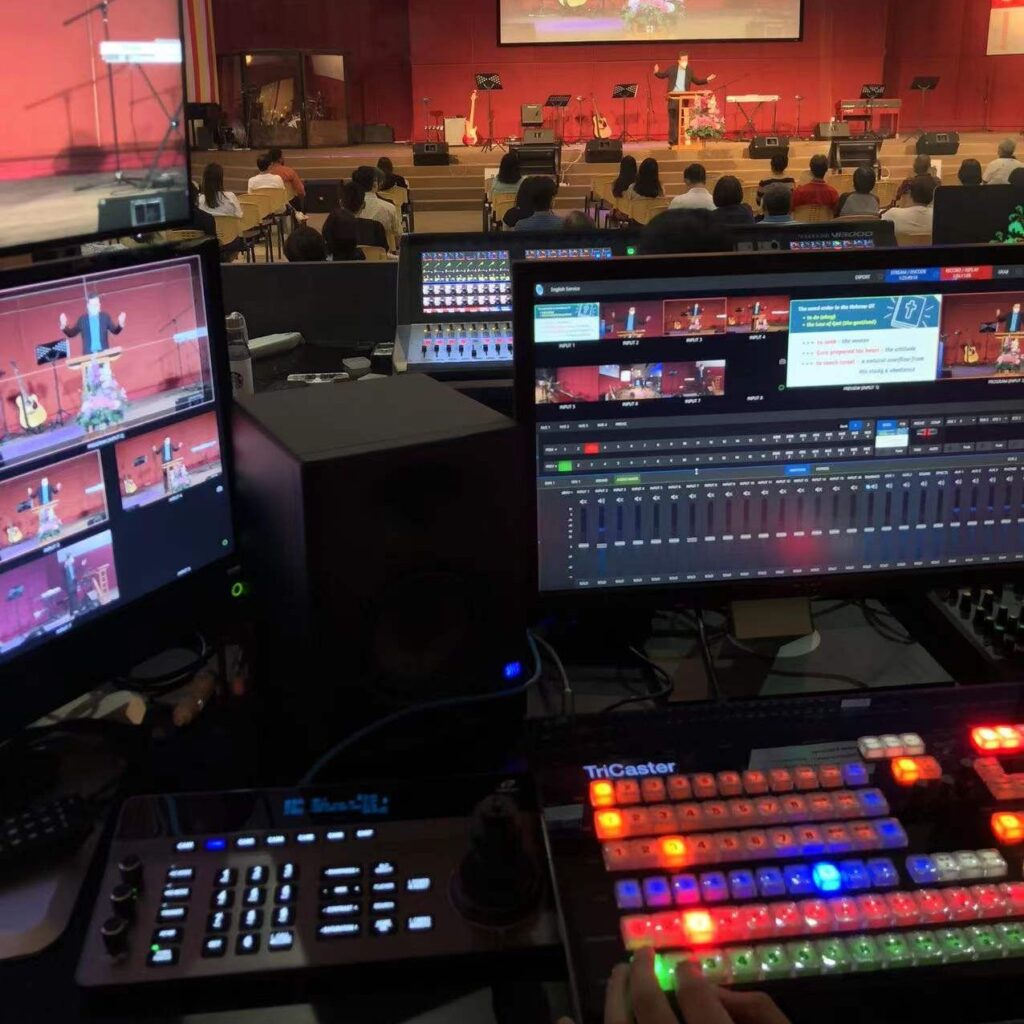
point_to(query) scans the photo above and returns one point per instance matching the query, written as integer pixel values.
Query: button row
(875, 748)
(962, 866)
(1001, 784)
(273, 840)
(219, 921)
(659, 819)
(766, 882)
(708, 786)
(998, 739)
(754, 844)
(383, 926)
(713, 925)
(853, 953)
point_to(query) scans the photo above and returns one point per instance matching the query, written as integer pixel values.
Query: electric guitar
(602, 130)
(31, 414)
(970, 354)
(470, 136)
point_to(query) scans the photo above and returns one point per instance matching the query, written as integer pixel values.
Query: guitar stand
(490, 142)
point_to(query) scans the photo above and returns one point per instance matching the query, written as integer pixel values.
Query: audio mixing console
(847, 840)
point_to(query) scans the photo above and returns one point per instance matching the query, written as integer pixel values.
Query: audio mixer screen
(755, 427)
(467, 282)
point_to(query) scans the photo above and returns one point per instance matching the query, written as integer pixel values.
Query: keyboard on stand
(769, 844)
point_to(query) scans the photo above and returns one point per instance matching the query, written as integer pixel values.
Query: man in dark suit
(94, 326)
(678, 78)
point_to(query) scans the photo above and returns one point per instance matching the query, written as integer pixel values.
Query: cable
(705, 653)
(856, 684)
(413, 709)
(656, 695)
(874, 618)
(568, 698)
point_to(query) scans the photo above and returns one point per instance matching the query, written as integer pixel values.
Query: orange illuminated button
(602, 794)
(989, 739)
(1008, 827)
(698, 927)
(672, 852)
(908, 770)
(609, 825)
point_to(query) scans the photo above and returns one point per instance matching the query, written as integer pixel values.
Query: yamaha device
(772, 420)
(455, 295)
(861, 849)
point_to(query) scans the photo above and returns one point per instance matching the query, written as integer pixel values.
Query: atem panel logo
(629, 771)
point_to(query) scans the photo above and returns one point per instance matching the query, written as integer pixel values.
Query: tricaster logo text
(629, 771)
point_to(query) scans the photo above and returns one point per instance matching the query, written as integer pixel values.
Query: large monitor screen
(979, 213)
(93, 138)
(112, 465)
(767, 418)
(633, 21)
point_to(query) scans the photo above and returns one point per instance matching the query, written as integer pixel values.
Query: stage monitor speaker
(603, 151)
(430, 154)
(539, 158)
(143, 211)
(532, 114)
(853, 153)
(831, 130)
(322, 196)
(939, 143)
(538, 136)
(385, 540)
(764, 147)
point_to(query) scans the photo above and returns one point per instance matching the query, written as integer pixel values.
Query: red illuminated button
(780, 780)
(637, 821)
(961, 904)
(932, 905)
(591, 448)
(704, 786)
(990, 900)
(602, 794)
(817, 916)
(805, 778)
(788, 919)
(755, 841)
(698, 927)
(663, 819)
(907, 771)
(652, 791)
(874, 911)
(988, 739)
(1008, 827)
(679, 787)
(769, 810)
(729, 784)
(903, 909)
(845, 913)
(627, 791)
(756, 922)
(821, 806)
(716, 814)
(742, 811)
(672, 852)
(755, 783)
(1013, 892)
(609, 825)
(831, 776)
(690, 817)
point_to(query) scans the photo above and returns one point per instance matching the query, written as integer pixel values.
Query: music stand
(51, 353)
(871, 92)
(489, 82)
(624, 92)
(924, 84)
(559, 101)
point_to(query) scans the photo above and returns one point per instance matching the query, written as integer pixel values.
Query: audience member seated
(368, 232)
(201, 220)
(305, 245)
(730, 210)
(391, 180)
(648, 181)
(860, 202)
(970, 173)
(817, 191)
(684, 231)
(915, 219)
(509, 176)
(696, 196)
(289, 176)
(1016, 176)
(342, 236)
(213, 199)
(922, 165)
(998, 171)
(540, 196)
(627, 175)
(264, 179)
(777, 202)
(778, 176)
(375, 208)
(578, 221)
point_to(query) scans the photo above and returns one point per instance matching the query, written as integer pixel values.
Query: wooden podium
(686, 101)
(104, 358)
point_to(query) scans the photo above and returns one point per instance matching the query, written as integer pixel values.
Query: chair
(911, 240)
(435, 127)
(812, 213)
(858, 216)
(402, 198)
(500, 205)
(644, 210)
(842, 182)
(184, 236)
(274, 205)
(373, 253)
(254, 230)
(886, 190)
(229, 229)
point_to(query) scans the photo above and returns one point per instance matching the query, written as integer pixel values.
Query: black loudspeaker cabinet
(939, 143)
(831, 130)
(764, 147)
(383, 527)
(430, 154)
(539, 158)
(538, 136)
(143, 211)
(603, 151)
(322, 196)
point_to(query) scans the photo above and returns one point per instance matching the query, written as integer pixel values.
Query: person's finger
(648, 1002)
(616, 1003)
(751, 1007)
(698, 1001)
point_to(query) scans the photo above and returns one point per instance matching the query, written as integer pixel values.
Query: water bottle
(239, 355)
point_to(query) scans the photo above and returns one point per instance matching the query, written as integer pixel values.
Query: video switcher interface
(826, 421)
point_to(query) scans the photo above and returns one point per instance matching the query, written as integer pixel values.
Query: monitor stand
(775, 619)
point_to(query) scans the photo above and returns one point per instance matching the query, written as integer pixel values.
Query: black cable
(667, 686)
(705, 653)
(568, 698)
(873, 617)
(856, 684)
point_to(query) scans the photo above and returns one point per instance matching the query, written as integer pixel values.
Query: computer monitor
(978, 213)
(115, 494)
(94, 141)
(773, 422)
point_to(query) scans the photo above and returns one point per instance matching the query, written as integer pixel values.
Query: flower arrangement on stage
(651, 15)
(706, 122)
(104, 401)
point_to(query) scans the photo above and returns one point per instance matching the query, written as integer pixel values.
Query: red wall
(36, 577)
(73, 503)
(964, 315)
(188, 433)
(948, 38)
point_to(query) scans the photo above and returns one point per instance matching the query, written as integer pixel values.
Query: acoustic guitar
(572, 3)
(970, 355)
(31, 414)
(470, 136)
(14, 534)
(602, 130)
(130, 486)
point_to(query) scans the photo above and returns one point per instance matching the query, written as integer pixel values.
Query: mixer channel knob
(122, 901)
(1002, 615)
(130, 867)
(988, 599)
(978, 619)
(964, 604)
(114, 933)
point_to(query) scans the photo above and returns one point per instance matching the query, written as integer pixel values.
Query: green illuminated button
(804, 958)
(744, 965)
(835, 959)
(955, 946)
(665, 971)
(774, 962)
(894, 950)
(925, 949)
(1012, 935)
(565, 465)
(714, 967)
(987, 945)
(863, 953)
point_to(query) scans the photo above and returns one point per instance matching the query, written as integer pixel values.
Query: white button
(336, 836)
(870, 748)
(306, 837)
(340, 909)
(276, 840)
(185, 845)
(245, 842)
(330, 931)
(341, 872)
(420, 923)
(913, 745)
(384, 925)
(280, 940)
(384, 886)
(180, 874)
(365, 833)
(383, 906)
(947, 867)
(421, 884)
(993, 864)
(891, 745)
(384, 867)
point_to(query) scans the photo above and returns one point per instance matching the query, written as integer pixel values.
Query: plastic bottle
(239, 355)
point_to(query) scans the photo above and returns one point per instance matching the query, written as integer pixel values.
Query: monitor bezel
(525, 278)
(44, 678)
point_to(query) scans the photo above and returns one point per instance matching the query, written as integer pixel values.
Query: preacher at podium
(678, 78)
(94, 326)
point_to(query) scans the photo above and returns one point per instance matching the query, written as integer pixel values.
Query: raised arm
(70, 330)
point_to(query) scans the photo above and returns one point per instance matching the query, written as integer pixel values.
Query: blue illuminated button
(657, 892)
(923, 870)
(854, 875)
(883, 873)
(855, 425)
(872, 802)
(628, 895)
(799, 881)
(713, 887)
(827, 877)
(685, 889)
(770, 882)
(741, 885)
(855, 774)
(891, 833)
(215, 844)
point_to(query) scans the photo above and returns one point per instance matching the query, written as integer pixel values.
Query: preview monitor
(94, 141)
(978, 213)
(773, 421)
(115, 496)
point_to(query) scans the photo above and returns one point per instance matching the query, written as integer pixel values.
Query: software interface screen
(693, 430)
(111, 480)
